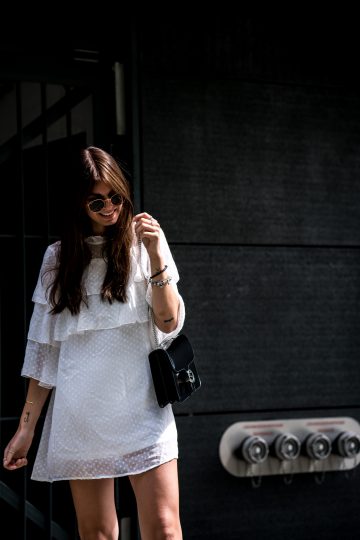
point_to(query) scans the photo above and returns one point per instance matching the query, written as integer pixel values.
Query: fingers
(8, 454)
(12, 462)
(146, 225)
(142, 215)
(145, 218)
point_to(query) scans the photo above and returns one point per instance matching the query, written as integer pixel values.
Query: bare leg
(95, 509)
(157, 497)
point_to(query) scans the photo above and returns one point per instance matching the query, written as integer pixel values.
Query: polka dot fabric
(103, 419)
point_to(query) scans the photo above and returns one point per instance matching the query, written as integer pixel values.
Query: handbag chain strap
(156, 341)
(190, 377)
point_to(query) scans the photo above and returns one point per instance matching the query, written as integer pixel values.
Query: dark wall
(53, 101)
(251, 164)
(247, 143)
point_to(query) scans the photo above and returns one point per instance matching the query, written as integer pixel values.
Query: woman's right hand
(16, 451)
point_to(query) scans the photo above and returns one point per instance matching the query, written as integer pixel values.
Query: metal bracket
(276, 447)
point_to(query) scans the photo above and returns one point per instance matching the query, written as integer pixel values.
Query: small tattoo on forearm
(169, 320)
(26, 418)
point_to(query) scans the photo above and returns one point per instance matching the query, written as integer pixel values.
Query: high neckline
(96, 240)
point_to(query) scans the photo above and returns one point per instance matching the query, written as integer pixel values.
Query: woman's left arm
(165, 300)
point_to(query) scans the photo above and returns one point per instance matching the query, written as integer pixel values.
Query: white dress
(103, 419)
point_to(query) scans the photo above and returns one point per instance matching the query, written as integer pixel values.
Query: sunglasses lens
(97, 205)
(116, 199)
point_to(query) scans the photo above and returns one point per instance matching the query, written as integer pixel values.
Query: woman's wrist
(158, 272)
(160, 282)
(26, 429)
(157, 263)
(29, 416)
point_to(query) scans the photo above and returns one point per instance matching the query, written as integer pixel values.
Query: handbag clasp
(185, 376)
(191, 376)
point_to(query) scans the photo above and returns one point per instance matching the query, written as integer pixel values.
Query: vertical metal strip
(21, 229)
(120, 99)
(22, 262)
(136, 120)
(45, 171)
(138, 188)
(68, 114)
(45, 156)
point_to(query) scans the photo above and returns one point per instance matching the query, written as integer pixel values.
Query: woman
(88, 344)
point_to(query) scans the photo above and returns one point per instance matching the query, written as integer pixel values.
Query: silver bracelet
(161, 282)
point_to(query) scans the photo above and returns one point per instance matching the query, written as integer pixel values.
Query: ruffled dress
(103, 419)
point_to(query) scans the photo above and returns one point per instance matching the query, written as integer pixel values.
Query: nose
(106, 201)
(108, 205)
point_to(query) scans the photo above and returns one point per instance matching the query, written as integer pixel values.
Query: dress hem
(101, 476)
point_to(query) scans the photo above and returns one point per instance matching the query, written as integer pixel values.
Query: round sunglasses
(99, 204)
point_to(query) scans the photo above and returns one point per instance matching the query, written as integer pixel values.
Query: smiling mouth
(109, 214)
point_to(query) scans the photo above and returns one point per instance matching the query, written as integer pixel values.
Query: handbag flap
(174, 371)
(180, 353)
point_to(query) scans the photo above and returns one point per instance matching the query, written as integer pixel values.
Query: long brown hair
(67, 291)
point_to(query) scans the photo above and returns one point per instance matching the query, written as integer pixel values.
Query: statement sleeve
(173, 272)
(42, 350)
(41, 363)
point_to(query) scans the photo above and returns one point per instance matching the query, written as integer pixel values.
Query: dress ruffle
(98, 314)
(41, 363)
(47, 330)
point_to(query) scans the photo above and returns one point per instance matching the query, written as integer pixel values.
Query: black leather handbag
(174, 371)
(172, 365)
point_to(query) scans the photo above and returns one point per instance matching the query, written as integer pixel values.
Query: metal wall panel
(250, 163)
(273, 328)
(254, 163)
(217, 506)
